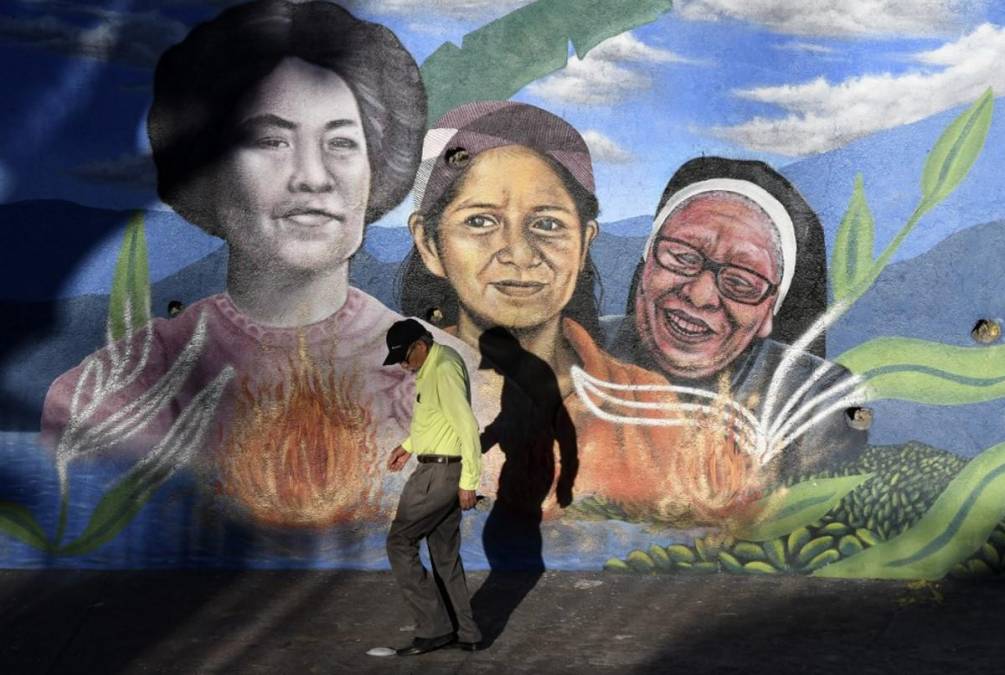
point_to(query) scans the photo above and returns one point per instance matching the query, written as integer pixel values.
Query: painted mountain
(54, 302)
(891, 164)
(47, 332)
(936, 296)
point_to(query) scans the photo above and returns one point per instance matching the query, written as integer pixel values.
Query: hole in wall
(986, 331)
(859, 418)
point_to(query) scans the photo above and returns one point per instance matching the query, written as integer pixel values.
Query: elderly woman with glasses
(735, 260)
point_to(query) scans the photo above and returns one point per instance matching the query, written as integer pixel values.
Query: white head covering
(755, 193)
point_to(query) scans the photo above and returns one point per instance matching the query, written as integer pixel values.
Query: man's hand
(467, 498)
(398, 459)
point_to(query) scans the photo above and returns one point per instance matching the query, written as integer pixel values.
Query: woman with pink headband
(505, 215)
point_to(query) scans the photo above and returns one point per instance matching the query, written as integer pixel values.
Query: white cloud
(627, 47)
(605, 149)
(438, 30)
(823, 116)
(590, 83)
(131, 38)
(603, 77)
(840, 17)
(807, 47)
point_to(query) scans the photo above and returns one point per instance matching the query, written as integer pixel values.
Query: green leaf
(947, 164)
(853, 247)
(787, 509)
(956, 151)
(956, 526)
(500, 58)
(131, 283)
(928, 372)
(116, 509)
(18, 522)
(121, 504)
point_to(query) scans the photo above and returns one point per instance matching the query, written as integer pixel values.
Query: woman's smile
(310, 217)
(511, 242)
(518, 289)
(298, 183)
(686, 327)
(311, 224)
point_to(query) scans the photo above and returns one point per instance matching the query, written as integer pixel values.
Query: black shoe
(423, 645)
(468, 646)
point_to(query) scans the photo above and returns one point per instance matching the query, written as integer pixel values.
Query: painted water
(183, 526)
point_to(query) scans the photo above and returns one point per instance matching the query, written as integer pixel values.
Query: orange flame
(710, 476)
(302, 453)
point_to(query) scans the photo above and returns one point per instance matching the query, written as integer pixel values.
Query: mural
(686, 355)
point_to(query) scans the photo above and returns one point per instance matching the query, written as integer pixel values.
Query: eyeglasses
(733, 282)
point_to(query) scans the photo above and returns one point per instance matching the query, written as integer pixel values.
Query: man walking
(444, 439)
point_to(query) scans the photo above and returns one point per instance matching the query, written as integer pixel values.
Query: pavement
(211, 621)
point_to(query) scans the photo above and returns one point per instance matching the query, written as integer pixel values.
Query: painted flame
(302, 452)
(712, 475)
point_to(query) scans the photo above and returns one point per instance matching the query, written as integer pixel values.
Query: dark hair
(419, 290)
(806, 299)
(200, 81)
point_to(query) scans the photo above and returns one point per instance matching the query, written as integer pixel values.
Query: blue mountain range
(59, 258)
(891, 163)
(58, 249)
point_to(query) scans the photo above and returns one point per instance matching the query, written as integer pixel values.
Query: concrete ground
(58, 621)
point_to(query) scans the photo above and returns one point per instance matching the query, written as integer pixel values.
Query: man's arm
(452, 392)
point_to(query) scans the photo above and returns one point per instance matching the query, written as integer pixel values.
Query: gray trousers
(428, 509)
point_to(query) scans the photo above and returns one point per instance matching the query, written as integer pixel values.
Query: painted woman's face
(695, 318)
(293, 193)
(511, 243)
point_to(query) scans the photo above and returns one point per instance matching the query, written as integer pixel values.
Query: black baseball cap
(400, 337)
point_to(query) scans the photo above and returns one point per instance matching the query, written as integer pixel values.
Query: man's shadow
(532, 418)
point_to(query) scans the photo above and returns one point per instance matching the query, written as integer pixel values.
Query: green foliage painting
(957, 525)
(129, 302)
(923, 514)
(853, 269)
(928, 372)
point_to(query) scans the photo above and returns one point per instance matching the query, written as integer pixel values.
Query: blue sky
(777, 80)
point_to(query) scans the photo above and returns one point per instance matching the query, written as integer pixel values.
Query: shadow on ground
(59, 621)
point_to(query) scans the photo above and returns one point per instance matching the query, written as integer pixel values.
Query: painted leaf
(131, 283)
(956, 151)
(18, 522)
(116, 509)
(956, 526)
(500, 58)
(120, 505)
(947, 164)
(928, 372)
(853, 247)
(788, 509)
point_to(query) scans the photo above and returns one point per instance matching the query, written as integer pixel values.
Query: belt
(438, 459)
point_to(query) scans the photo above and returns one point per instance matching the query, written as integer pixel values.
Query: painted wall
(719, 314)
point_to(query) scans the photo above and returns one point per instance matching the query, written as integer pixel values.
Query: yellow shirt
(442, 421)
